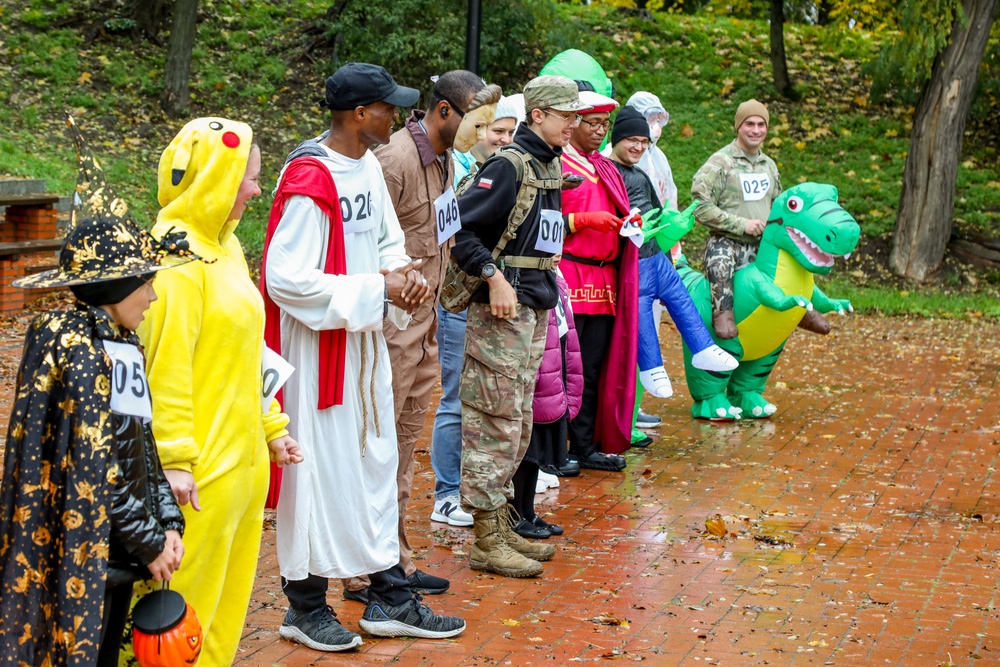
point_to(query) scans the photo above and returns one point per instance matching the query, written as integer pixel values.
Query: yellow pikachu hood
(199, 175)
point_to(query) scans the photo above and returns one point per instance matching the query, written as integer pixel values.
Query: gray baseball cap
(552, 92)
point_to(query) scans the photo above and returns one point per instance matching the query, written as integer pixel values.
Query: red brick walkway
(864, 515)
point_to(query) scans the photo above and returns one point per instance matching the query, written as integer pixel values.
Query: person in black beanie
(630, 138)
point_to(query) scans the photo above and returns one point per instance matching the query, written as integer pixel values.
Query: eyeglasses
(637, 141)
(567, 120)
(596, 126)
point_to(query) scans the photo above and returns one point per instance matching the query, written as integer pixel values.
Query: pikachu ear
(182, 155)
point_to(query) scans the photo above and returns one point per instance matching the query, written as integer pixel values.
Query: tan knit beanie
(750, 108)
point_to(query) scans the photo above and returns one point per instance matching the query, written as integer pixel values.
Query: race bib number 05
(754, 186)
(129, 388)
(446, 216)
(550, 232)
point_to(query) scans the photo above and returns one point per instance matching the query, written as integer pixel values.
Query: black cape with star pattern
(58, 480)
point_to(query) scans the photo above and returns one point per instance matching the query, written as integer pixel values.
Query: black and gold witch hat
(103, 242)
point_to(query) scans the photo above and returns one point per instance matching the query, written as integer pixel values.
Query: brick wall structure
(25, 223)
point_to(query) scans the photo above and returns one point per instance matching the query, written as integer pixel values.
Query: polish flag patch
(486, 183)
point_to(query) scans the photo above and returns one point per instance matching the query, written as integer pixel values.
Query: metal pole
(473, 27)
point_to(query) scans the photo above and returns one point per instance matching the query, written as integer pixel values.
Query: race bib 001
(129, 388)
(754, 186)
(446, 216)
(550, 232)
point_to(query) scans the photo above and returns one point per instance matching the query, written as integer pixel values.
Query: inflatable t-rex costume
(806, 229)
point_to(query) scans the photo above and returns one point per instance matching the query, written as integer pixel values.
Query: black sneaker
(571, 468)
(554, 529)
(318, 629)
(645, 442)
(531, 530)
(360, 595)
(411, 619)
(425, 584)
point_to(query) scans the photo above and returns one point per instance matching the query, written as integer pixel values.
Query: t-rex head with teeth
(807, 222)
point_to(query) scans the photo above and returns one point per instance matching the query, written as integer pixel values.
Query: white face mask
(655, 130)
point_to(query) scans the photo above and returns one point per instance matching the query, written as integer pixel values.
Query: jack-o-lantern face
(176, 647)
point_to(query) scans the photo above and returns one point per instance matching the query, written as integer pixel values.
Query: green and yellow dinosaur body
(806, 230)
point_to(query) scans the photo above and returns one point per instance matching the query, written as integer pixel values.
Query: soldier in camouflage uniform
(734, 190)
(507, 320)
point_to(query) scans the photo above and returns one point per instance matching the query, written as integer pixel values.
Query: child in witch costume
(85, 510)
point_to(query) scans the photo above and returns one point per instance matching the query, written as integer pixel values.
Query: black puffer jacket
(143, 507)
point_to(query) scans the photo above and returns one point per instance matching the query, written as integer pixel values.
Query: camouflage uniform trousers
(723, 257)
(497, 388)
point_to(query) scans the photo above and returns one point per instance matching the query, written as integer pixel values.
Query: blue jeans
(446, 442)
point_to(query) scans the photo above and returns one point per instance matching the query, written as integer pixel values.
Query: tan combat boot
(533, 550)
(491, 553)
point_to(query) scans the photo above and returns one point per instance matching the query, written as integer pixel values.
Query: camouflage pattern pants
(496, 388)
(723, 257)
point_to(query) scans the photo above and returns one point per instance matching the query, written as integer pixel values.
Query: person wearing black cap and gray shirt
(418, 173)
(335, 269)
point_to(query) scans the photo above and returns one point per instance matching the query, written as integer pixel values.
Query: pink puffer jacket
(553, 396)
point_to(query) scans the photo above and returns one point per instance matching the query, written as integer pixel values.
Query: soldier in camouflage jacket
(734, 190)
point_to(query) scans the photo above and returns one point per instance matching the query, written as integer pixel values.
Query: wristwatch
(489, 269)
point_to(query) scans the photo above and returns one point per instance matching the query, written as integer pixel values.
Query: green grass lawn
(701, 67)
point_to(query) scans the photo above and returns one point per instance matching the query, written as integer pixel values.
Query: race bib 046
(447, 222)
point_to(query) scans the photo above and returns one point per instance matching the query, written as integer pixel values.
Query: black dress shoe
(645, 442)
(427, 584)
(599, 461)
(525, 528)
(360, 595)
(571, 468)
(553, 529)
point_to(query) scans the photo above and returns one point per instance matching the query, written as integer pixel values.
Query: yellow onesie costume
(204, 339)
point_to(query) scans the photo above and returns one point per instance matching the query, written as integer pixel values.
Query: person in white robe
(337, 512)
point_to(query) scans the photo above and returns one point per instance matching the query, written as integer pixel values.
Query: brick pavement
(865, 515)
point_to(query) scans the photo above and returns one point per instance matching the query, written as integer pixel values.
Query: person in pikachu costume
(204, 346)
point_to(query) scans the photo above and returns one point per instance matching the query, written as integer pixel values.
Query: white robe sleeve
(298, 285)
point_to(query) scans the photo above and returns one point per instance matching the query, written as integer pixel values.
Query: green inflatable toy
(579, 66)
(805, 231)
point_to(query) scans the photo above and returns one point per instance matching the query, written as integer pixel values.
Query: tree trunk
(926, 205)
(177, 71)
(823, 8)
(778, 63)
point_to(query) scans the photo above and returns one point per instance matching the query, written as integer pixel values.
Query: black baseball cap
(358, 84)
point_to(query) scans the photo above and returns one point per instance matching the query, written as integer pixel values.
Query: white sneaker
(546, 481)
(714, 358)
(656, 382)
(449, 511)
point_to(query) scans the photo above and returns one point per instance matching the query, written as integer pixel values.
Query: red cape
(616, 386)
(310, 177)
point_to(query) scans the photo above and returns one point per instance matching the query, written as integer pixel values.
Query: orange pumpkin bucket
(166, 630)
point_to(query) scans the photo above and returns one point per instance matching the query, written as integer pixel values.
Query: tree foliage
(904, 64)
(415, 39)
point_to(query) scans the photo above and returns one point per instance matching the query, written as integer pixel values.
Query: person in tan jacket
(419, 173)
